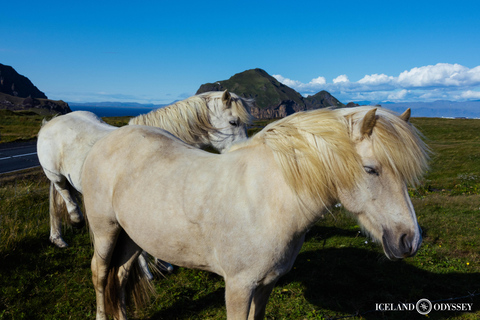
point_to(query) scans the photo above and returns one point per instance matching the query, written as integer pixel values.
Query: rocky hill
(272, 98)
(17, 92)
(40, 106)
(16, 85)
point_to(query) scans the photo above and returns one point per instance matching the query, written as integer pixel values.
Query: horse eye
(233, 123)
(371, 170)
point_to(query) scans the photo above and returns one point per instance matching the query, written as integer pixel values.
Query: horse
(244, 214)
(210, 119)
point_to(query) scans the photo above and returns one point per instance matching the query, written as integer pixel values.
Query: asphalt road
(18, 156)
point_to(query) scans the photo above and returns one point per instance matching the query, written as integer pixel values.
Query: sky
(158, 51)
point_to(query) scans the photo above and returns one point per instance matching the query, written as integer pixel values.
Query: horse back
(64, 142)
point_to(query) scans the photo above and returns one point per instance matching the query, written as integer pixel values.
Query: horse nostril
(406, 245)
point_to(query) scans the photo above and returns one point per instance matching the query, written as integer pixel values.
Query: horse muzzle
(401, 245)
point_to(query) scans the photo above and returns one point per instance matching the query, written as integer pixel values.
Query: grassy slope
(19, 125)
(338, 271)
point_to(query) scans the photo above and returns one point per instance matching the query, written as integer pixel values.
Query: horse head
(392, 155)
(229, 117)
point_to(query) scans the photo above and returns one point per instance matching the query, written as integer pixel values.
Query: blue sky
(158, 52)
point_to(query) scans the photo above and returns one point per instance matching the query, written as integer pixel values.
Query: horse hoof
(164, 266)
(58, 242)
(78, 225)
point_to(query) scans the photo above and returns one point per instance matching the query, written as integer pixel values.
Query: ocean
(113, 111)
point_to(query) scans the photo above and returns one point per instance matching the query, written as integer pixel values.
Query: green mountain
(272, 98)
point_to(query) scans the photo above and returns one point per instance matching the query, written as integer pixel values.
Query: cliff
(17, 92)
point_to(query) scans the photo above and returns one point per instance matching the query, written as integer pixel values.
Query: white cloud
(287, 82)
(469, 94)
(440, 81)
(341, 78)
(312, 86)
(398, 95)
(376, 79)
(440, 75)
(316, 81)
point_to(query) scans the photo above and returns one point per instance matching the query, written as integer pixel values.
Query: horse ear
(368, 123)
(406, 115)
(226, 98)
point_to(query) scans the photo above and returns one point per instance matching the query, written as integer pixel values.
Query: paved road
(18, 156)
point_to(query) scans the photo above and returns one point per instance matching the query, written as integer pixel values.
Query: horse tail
(45, 121)
(139, 289)
(112, 287)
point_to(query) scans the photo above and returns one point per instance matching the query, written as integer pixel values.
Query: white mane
(189, 119)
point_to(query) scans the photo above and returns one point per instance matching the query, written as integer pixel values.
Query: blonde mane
(316, 154)
(314, 151)
(397, 144)
(189, 119)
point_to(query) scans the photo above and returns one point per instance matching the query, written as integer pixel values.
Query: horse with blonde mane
(244, 214)
(210, 119)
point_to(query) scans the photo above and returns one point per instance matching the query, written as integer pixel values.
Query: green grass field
(338, 273)
(19, 125)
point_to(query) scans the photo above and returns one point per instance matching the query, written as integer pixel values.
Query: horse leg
(238, 297)
(260, 299)
(73, 208)
(143, 262)
(103, 250)
(128, 252)
(163, 266)
(55, 204)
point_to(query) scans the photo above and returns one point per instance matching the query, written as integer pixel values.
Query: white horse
(244, 214)
(214, 118)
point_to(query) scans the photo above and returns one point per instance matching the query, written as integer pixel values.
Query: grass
(24, 125)
(455, 165)
(339, 272)
(19, 125)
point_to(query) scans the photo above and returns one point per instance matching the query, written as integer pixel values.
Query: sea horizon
(113, 111)
(437, 109)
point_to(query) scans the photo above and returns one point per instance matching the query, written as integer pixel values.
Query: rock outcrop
(17, 92)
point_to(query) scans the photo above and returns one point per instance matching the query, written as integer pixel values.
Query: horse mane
(314, 153)
(397, 144)
(189, 119)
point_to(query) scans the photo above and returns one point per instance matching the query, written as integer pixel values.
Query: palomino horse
(213, 118)
(244, 214)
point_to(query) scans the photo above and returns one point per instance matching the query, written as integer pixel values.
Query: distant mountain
(438, 109)
(17, 85)
(17, 92)
(433, 109)
(322, 99)
(272, 98)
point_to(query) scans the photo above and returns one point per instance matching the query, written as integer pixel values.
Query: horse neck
(293, 213)
(188, 130)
